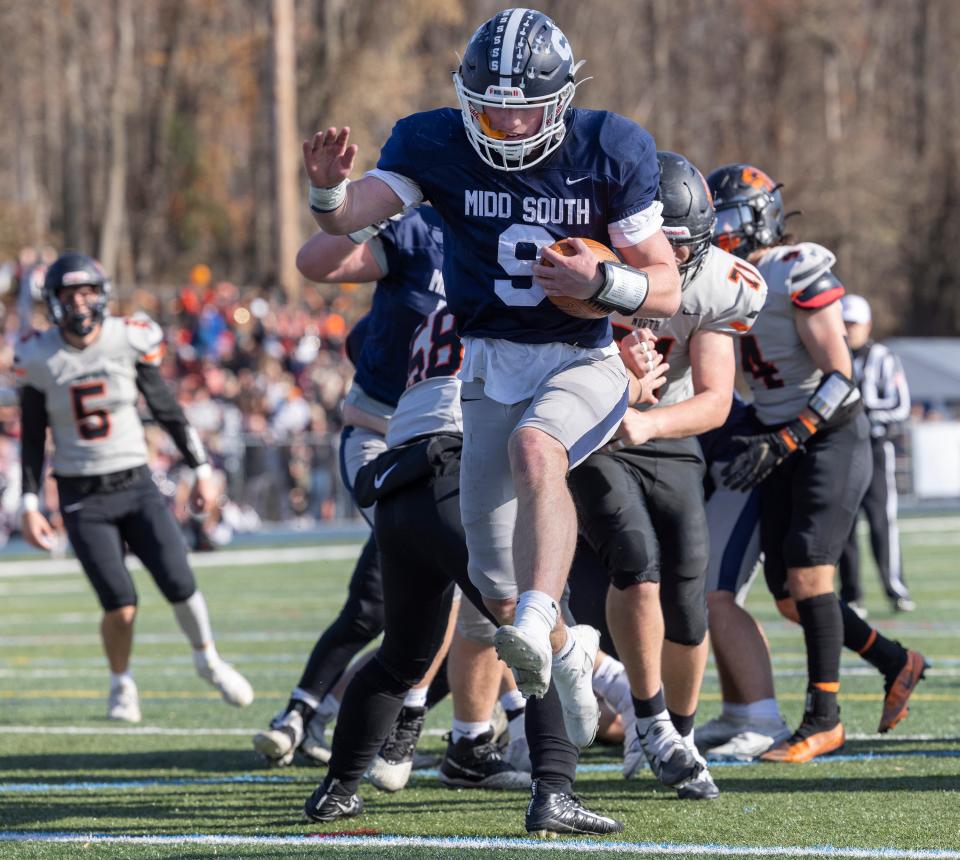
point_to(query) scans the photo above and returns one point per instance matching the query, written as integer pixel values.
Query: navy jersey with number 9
(495, 222)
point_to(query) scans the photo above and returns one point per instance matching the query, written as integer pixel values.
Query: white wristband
(624, 288)
(203, 471)
(29, 502)
(328, 199)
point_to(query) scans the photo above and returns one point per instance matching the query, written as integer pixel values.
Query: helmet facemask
(493, 147)
(65, 315)
(698, 245)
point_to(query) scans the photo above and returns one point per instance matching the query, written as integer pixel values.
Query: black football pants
(423, 553)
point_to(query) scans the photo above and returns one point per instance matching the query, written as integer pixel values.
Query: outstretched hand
(328, 158)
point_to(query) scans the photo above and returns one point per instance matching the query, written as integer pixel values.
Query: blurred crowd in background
(260, 380)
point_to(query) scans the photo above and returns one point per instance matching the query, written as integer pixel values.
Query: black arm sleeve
(33, 436)
(164, 407)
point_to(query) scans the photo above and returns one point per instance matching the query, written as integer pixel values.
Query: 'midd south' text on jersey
(774, 360)
(725, 296)
(496, 221)
(412, 247)
(431, 403)
(91, 394)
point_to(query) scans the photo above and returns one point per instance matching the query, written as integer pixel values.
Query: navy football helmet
(518, 59)
(73, 269)
(688, 214)
(749, 209)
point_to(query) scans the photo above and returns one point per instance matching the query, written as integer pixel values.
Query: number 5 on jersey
(92, 424)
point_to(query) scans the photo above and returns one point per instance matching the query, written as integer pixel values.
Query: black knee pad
(405, 670)
(176, 584)
(684, 603)
(614, 520)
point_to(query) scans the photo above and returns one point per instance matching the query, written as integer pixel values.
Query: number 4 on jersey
(751, 360)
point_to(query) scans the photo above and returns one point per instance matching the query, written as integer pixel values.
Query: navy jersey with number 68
(431, 402)
(495, 221)
(412, 248)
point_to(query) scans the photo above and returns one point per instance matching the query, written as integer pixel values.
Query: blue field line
(492, 843)
(33, 787)
(612, 767)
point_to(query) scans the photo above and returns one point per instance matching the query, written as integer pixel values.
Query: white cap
(855, 309)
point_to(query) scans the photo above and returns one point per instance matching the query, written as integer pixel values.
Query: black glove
(762, 454)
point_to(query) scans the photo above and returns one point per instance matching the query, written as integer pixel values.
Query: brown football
(583, 308)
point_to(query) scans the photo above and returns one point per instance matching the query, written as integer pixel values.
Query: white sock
(464, 729)
(512, 700)
(537, 611)
(302, 695)
(206, 657)
(194, 620)
(119, 679)
(416, 698)
(763, 709)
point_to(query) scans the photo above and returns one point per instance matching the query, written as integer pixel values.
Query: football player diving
(515, 169)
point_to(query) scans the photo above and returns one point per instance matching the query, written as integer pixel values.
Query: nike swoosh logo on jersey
(378, 481)
(691, 313)
(69, 509)
(575, 181)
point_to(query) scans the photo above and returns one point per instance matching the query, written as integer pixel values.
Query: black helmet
(688, 215)
(749, 209)
(517, 59)
(73, 269)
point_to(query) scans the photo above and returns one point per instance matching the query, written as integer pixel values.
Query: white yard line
(225, 559)
(441, 843)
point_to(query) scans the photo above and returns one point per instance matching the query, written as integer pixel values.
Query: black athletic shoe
(329, 802)
(478, 763)
(390, 768)
(551, 813)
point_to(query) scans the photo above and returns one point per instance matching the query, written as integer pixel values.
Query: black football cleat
(477, 763)
(553, 813)
(329, 802)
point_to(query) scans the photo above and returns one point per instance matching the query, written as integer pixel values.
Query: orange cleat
(895, 706)
(806, 744)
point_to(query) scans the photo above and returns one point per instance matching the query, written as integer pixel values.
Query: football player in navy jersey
(511, 172)
(404, 255)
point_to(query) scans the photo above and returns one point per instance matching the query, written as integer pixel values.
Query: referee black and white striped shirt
(883, 386)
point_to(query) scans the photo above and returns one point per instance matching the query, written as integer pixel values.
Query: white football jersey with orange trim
(725, 296)
(91, 394)
(774, 361)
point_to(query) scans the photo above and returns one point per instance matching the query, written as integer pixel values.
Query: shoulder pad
(809, 262)
(823, 291)
(146, 338)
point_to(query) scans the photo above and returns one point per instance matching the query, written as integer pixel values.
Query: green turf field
(189, 769)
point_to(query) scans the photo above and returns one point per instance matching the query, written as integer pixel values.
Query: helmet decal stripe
(508, 45)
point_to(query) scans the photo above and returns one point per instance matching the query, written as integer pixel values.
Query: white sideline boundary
(496, 844)
(198, 561)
